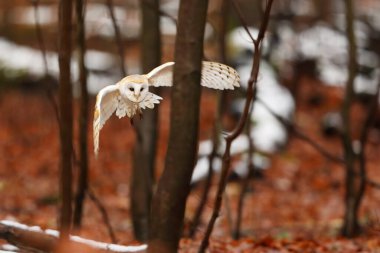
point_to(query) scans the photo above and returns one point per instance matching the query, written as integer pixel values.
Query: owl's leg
(140, 113)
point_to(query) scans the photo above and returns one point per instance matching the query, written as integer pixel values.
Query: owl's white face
(134, 90)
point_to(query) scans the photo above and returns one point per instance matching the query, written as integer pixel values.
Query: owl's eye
(131, 89)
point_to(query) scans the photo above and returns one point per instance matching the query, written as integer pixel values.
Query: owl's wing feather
(150, 100)
(162, 75)
(105, 106)
(219, 76)
(214, 75)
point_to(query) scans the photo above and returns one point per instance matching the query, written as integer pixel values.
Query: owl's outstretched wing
(162, 75)
(106, 103)
(214, 75)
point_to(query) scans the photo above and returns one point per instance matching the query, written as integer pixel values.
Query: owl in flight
(131, 95)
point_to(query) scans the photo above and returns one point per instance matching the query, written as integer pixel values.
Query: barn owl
(131, 95)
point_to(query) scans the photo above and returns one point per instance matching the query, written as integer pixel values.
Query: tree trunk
(83, 117)
(118, 37)
(354, 185)
(146, 129)
(66, 115)
(170, 200)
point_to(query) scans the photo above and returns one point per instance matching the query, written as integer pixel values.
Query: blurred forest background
(304, 174)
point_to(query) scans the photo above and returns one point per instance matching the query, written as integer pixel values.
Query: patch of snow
(201, 168)
(9, 247)
(240, 167)
(16, 224)
(28, 59)
(283, 48)
(329, 48)
(98, 21)
(268, 134)
(99, 61)
(259, 161)
(239, 145)
(303, 8)
(322, 41)
(101, 245)
(47, 15)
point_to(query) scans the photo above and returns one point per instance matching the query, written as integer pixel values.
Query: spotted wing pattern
(219, 76)
(214, 75)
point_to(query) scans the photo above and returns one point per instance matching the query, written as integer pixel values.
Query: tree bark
(66, 115)
(170, 200)
(354, 185)
(146, 129)
(83, 117)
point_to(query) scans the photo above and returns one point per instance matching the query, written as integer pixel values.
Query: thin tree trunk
(66, 116)
(39, 35)
(220, 19)
(353, 184)
(83, 117)
(146, 129)
(169, 203)
(118, 37)
(245, 181)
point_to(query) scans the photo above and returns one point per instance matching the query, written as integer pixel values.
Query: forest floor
(297, 206)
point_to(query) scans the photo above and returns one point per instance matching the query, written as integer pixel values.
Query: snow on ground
(100, 64)
(91, 243)
(268, 134)
(328, 47)
(26, 15)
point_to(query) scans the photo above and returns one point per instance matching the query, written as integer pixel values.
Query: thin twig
(39, 35)
(251, 91)
(41, 43)
(118, 37)
(104, 213)
(245, 181)
(242, 20)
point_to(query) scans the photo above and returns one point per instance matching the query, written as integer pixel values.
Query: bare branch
(242, 20)
(251, 91)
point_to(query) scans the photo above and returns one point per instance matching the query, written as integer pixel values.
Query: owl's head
(134, 88)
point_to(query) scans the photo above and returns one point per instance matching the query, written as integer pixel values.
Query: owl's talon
(131, 120)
